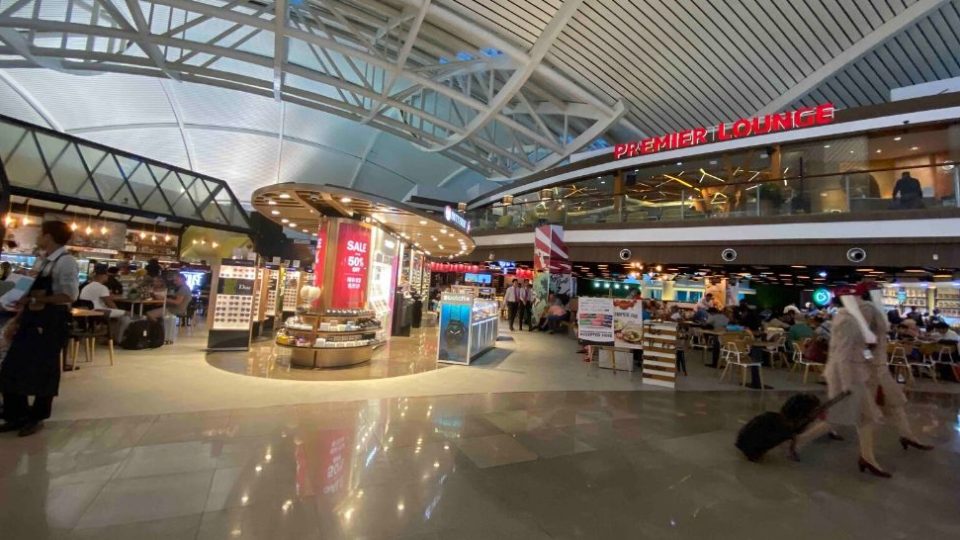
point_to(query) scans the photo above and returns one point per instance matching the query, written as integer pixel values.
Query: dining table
(137, 306)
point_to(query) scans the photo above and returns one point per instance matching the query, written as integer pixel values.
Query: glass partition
(888, 171)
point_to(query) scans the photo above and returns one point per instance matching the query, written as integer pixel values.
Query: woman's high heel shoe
(907, 443)
(865, 465)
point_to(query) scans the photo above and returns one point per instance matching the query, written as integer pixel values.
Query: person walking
(857, 362)
(39, 334)
(511, 297)
(525, 306)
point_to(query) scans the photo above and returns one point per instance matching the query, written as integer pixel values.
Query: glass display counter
(468, 327)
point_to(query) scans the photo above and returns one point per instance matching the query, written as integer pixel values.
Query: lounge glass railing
(869, 191)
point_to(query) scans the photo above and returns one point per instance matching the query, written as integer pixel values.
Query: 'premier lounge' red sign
(745, 127)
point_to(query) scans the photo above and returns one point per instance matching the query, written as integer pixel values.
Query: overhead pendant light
(166, 238)
(143, 235)
(88, 230)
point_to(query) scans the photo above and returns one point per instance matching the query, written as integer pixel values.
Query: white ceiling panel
(350, 95)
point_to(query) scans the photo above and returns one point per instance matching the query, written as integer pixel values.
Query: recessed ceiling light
(878, 150)
(304, 230)
(914, 148)
(284, 195)
(275, 212)
(826, 146)
(897, 138)
(346, 200)
(423, 222)
(272, 203)
(284, 220)
(294, 225)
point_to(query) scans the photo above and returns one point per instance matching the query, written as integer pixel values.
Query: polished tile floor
(396, 358)
(578, 464)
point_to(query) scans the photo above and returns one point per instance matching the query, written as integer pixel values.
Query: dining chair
(803, 363)
(897, 359)
(735, 352)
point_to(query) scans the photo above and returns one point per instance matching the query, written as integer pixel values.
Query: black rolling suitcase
(770, 429)
(143, 334)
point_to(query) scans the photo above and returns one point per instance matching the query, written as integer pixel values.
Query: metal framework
(408, 67)
(40, 163)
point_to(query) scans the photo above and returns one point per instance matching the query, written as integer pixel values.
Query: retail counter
(468, 328)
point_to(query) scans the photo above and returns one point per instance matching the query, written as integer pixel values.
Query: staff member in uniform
(512, 298)
(40, 332)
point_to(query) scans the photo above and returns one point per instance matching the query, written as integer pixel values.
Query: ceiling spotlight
(143, 235)
(284, 195)
(272, 202)
(284, 220)
(166, 238)
(88, 230)
(346, 200)
(423, 222)
(294, 225)
(275, 212)
(826, 146)
(914, 148)
(74, 226)
(897, 138)
(104, 230)
(305, 231)
(879, 151)
(214, 245)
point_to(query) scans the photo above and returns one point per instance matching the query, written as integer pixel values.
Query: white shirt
(94, 292)
(65, 272)
(511, 294)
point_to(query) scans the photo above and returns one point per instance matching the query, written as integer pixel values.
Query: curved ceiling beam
(349, 57)
(519, 78)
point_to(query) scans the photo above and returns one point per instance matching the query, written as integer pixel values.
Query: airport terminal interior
(470, 269)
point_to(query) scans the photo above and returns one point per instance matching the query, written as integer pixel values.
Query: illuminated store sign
(745, 127)
(350, 279)
(453, 217)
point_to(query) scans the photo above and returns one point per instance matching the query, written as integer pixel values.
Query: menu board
(628, 323)
(595, 320)
(353, 257)
(233, 308)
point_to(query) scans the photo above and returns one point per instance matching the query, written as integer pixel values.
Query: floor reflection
(522, 465)
(397, 357)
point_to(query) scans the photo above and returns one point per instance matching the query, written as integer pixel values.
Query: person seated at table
(716, 320)
(799, 331)
(113, 282)
(177, 302)
(908, 329)
(556, 314)
(942, 332)
(97, 293)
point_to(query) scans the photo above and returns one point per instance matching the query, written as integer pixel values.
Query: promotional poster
(353, 257)
(595, 320)
(628, 323)
(455, 319)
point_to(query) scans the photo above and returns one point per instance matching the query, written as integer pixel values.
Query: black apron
(32, 365)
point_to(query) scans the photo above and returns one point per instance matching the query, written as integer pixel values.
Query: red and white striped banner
(549, 250)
